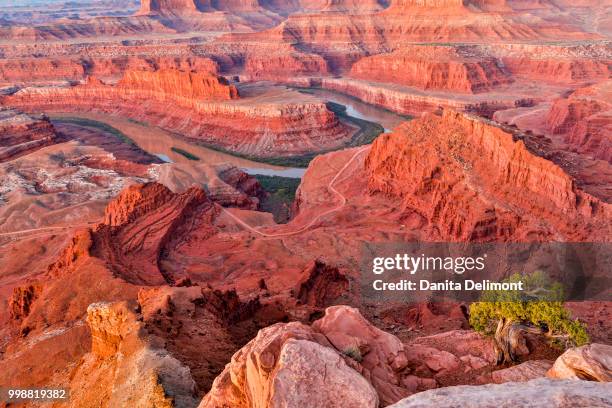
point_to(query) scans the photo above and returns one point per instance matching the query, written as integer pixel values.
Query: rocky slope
(340, 354)
(468, 198)
(455, 69)
(21, 133)
(264, 125)
(121, 345)
(583, 119)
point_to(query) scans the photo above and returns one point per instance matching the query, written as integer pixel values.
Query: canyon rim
(236, 203)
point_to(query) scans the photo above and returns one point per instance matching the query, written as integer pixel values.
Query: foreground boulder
(380, 354)
(539, 393)
(347, 360)
(289, 365)
(526, 371)
(592, 362)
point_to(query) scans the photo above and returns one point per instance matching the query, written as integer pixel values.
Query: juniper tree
(509, 315)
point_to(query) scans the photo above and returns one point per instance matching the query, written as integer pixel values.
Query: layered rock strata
(201, 107)
(409, 100)
(584, 120)
(21, 133)
(481, 184)
(456, 69)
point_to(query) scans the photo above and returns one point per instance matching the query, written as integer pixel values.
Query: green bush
(539, 305)
(354, 353)
(185, 153)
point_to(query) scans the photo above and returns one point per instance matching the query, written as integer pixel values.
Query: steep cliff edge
(120, 345)
(472, 180)
(178, 85)
(21, 133)
(269, 122)
(584, 120)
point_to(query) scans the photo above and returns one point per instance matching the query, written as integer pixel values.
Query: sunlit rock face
(21, 133)
(439, 185)
(276, 122)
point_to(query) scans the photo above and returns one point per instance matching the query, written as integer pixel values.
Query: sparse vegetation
(94, 124)
(539, 309)
(368, 131)
(354, 353)
(185, 153)
(137, 122)
(281, 194)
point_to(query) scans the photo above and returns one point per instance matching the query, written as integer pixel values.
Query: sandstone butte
(434, 67)
(217, 116)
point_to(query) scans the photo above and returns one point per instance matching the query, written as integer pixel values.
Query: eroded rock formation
(459, 69)
(145, 223)
(120, 345)
(583, 119)
(21, 133)
(467, 198)
(202, 107)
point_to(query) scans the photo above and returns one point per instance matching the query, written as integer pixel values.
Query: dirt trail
(15, 235)
(330, 187)
(29, 233)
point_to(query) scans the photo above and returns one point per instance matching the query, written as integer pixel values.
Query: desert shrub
(538, 308)
(354, 353)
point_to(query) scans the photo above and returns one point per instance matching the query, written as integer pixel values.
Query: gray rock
(538, 393)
